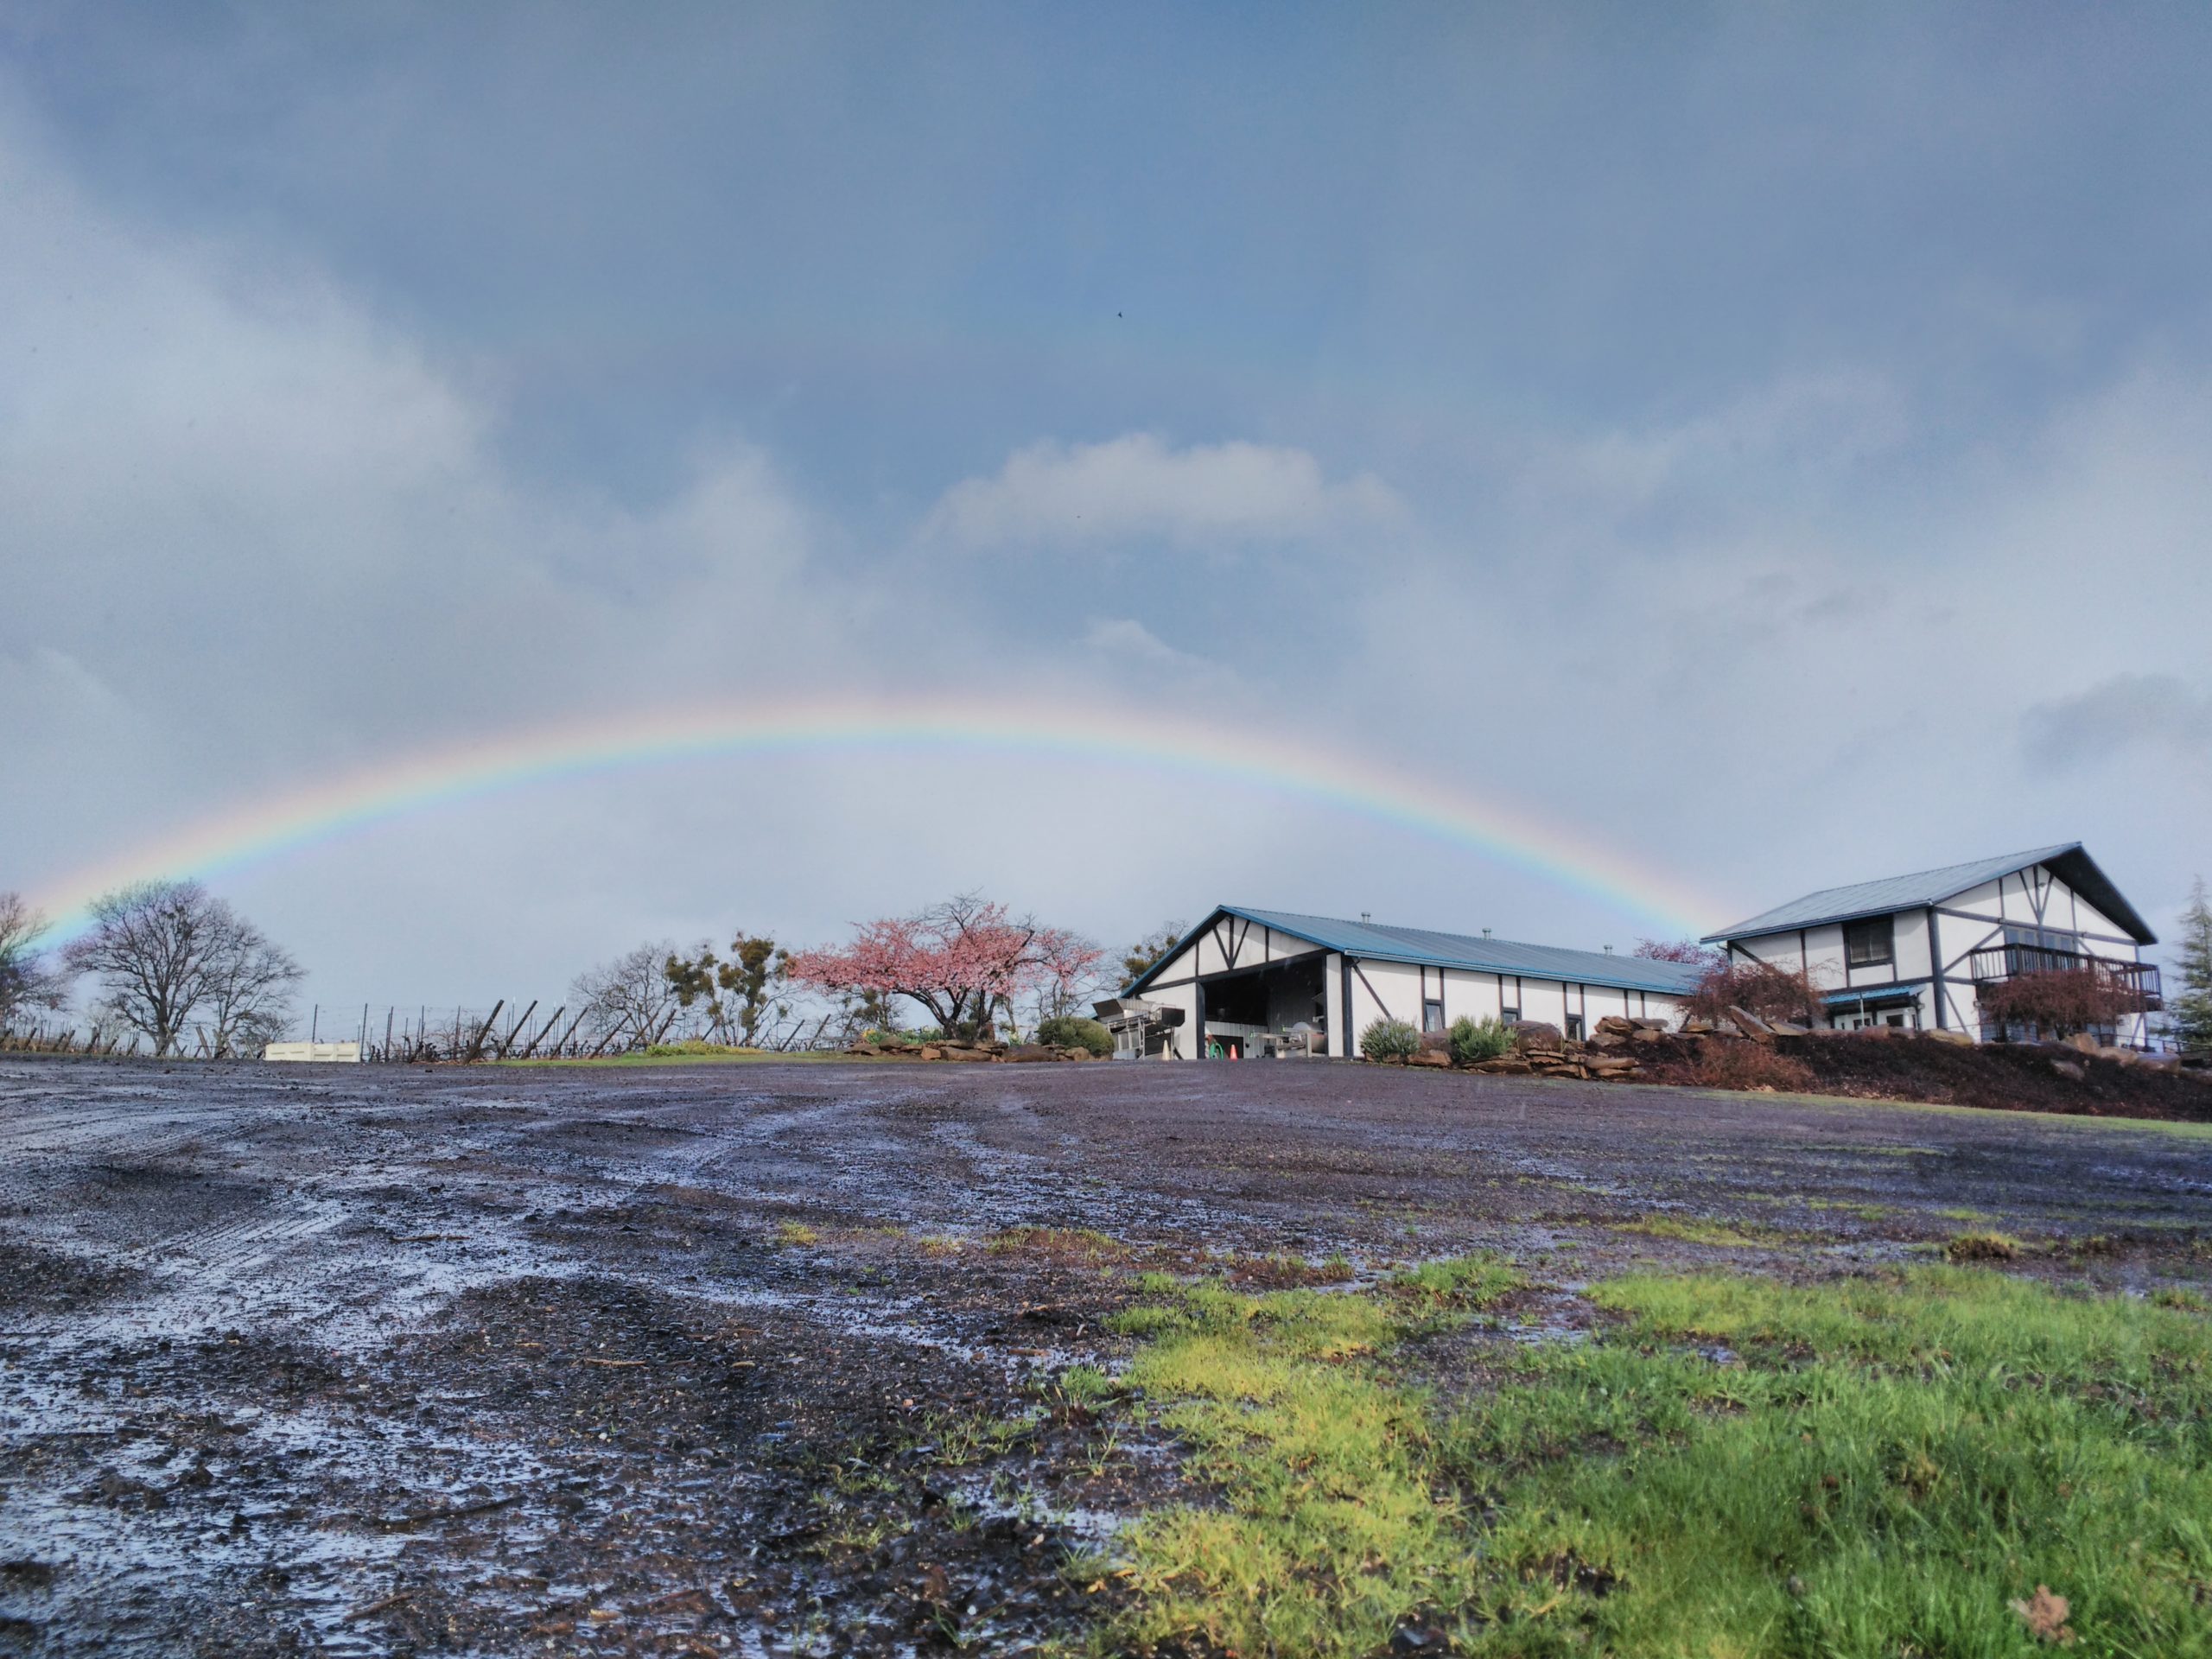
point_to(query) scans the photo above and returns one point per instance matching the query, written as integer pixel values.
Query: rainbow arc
(258, 830)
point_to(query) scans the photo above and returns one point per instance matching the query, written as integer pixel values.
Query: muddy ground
(760, 1359)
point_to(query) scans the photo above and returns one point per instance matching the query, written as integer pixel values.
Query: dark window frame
(1858, 935)
(1432, 1014)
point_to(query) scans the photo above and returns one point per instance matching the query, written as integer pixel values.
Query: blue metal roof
(1870, 993)
(2069, 863)
(1373, 942)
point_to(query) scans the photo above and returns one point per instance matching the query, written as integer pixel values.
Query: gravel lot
(760, 1358)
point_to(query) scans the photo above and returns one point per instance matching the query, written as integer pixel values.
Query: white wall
(1394, 990)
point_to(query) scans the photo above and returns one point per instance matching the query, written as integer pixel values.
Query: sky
(1752, 448)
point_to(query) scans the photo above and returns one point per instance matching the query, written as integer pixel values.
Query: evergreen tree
(2192, 1007)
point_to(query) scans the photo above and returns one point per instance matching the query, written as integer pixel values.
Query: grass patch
(1083, 1246)
(1983, 1247)
(1923, 1463)
(796, 1234)
(1331, 1522)
(1473, 1280)
(1697, 1231)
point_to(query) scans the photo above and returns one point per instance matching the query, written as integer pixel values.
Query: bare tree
(26, 982)
(151, 944)
(165, 950)
(629, 1000)
(250, 984)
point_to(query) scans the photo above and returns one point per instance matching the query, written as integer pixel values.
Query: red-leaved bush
(2060, 1002)
(1759, 987)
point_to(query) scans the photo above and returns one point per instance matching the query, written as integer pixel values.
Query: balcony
(2002, 962)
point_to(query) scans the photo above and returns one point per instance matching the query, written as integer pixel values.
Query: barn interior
(1242, 1009)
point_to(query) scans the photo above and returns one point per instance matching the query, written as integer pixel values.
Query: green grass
(1732, 1469)
(1697, 1231)
(1331, 1524)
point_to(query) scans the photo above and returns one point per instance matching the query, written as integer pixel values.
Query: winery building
(1245, 983)
(1916, 952)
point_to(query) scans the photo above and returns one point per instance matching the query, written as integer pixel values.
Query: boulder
(1646, 1034)
(1751, 1024)
(1697, 1026)
(948, 1052)
(1537, 1037)
(1029, 1052)
(1957, 1038)
(2085, 1043)
(1614, 1022)
(931, 1051)
(1503, 1065)
(2072, 1070)
(1432, 1057)
(1611, 1038)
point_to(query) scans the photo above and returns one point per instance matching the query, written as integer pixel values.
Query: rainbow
(253, 832)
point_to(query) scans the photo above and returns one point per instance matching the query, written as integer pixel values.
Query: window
(1575, 1026)
(1510, 1016)
(1431, 1014)
(1867, 943)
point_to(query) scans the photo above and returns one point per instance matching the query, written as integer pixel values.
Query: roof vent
(1609, 950)
(1366, 916)
(1486, 932)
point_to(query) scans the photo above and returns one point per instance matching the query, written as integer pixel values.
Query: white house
(1914, 950)
(1248, 982)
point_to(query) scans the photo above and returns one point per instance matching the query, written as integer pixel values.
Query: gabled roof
(2068, 862)
(1374, 943)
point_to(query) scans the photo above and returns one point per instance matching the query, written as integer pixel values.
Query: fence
(399, 1037)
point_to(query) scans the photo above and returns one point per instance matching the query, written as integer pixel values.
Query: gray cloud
(2154, 711)
(1207, 497)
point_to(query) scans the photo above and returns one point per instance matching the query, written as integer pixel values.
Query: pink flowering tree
(960, 960)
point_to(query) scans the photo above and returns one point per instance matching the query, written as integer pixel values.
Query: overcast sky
(1774, 441)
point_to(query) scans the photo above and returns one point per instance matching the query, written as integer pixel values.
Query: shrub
(1479, 1040)
(1723, 1063)
(1389, 1040)
(1073, 1030)
(2060, 1002)
(1758, 988)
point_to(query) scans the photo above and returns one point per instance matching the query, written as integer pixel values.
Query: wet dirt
(768, 1360)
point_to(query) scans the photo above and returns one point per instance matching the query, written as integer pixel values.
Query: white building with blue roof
(1916, 950)
(1248, 982)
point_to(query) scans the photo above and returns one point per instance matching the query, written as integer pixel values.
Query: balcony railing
(2011, 960)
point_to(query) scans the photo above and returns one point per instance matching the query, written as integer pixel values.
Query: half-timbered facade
(1916, 950)
(1251, 982)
